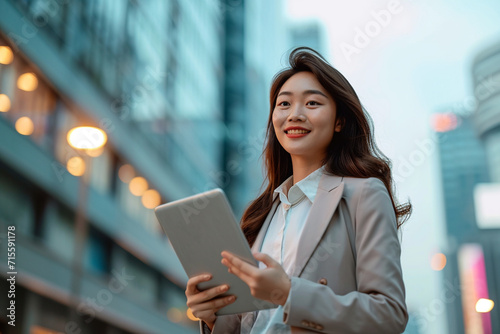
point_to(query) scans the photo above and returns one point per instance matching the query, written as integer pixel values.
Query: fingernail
(231, 298)
(224, 288)
(206, 276)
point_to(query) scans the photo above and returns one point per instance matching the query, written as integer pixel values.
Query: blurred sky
(418, 64)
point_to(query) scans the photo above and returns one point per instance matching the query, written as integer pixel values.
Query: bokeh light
(24, 126)
(4, 103)
(6, 55)
(126, 173)
(175, 315)
(151, 199)
(76, 166)
(94, 153)
(27, 82)
(484, 305)
(438, 261)
(190, 315)
(138, 185)
(87, 137)
(444, 122)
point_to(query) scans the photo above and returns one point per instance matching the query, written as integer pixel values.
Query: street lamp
(87, 140)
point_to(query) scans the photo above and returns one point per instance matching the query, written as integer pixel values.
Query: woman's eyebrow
(306, 92)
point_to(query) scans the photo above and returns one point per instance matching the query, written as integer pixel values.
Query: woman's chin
(304, 155)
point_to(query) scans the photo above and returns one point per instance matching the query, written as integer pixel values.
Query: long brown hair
(352, 151)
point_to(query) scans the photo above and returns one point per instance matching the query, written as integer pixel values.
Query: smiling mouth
(297, 132)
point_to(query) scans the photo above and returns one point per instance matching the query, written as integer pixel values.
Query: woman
(325, 228)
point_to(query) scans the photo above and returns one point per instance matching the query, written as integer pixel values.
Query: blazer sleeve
(378, 305)
(224, 324)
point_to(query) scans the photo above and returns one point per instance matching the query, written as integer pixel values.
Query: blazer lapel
(260, 237)
(325, 203)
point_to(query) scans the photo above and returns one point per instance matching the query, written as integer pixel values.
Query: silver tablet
(199, 228)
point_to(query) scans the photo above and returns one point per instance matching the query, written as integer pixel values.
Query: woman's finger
(210, 307)
(241, 266)
(266, 259)
(191, 288)
(236, 271)
(208, 294)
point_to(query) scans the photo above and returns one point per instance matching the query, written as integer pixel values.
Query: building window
(58, 230)
(97, 252)
(25, 98)
(16, 205)
(144, 286)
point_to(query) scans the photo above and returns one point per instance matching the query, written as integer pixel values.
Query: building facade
(486, 85)
(463, 165)
(256, 43)
(486, 79)
(150, 75)
(469, 148)
(309, 33)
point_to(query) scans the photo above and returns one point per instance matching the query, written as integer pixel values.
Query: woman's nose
(296, 114)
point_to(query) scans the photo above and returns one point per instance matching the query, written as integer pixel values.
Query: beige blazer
(347, 277)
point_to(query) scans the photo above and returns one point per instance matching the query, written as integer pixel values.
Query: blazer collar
(330, 190)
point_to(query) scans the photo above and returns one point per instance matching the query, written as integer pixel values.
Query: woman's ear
(339, 124)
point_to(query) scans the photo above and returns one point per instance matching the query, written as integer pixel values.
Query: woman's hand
(203, 304)
(271, 283)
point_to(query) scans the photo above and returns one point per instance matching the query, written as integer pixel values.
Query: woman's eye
(313, 103)
(284, 104)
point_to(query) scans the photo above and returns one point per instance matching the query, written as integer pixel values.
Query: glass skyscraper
(486, 78)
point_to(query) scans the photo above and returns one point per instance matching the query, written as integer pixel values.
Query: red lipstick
(296, 132)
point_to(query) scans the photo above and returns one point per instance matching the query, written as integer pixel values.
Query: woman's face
(304, 117)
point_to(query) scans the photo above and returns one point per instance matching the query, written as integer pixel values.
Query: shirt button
(286, 206)
(323, 281)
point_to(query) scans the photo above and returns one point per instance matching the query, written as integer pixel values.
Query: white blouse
(280, 241)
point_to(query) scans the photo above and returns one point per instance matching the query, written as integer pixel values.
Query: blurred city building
(309, 33)
(486, 78)
(168, 82)
(256, 41)
(468, 140)
(463, 166)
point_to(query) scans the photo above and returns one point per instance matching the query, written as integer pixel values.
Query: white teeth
(297, 131)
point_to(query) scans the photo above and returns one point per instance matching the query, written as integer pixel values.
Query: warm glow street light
(25, 126)
(190, 315)
(438, 261)
(87, 138)
(138, 185)
(175, 315)
(76, 166)
(126, 173)
(4, 103)
(151, 199)
(27, 82)
(484, 305)
(6, 55)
